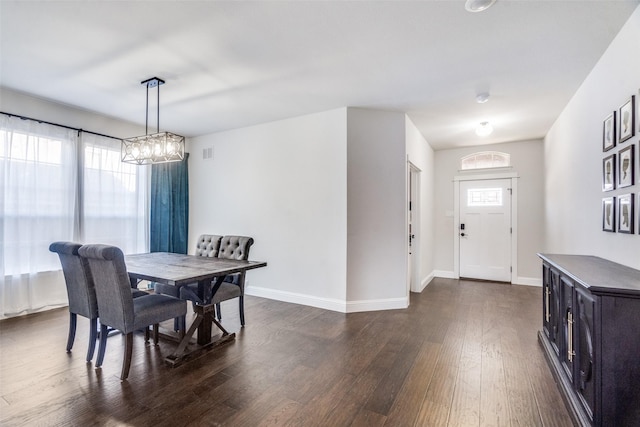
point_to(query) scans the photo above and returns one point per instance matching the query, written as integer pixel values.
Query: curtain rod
(59, 125)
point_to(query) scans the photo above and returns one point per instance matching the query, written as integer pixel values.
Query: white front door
(485, 229)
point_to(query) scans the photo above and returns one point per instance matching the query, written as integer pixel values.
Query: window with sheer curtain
(60, 184)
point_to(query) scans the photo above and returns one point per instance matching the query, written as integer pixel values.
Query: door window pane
(484, 197)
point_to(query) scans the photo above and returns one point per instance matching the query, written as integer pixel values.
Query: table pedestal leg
(202, 323)
(204, 330)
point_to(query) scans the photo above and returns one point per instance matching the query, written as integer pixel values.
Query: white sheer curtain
(59, 186)
(115, 195)
(38, 205)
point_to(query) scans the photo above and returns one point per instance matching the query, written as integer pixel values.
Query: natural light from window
(485, 160)
(41, 150)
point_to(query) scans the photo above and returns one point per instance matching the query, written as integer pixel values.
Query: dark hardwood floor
(464, 354)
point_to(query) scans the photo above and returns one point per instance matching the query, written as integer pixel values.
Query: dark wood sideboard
(591, 337)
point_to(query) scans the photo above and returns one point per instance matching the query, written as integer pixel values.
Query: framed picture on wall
(609, 132)
(609, 214)
(626, 120)
(626, 166)
(609, 173)
(626, 215)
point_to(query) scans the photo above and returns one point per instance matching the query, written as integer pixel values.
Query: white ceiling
(233, 64)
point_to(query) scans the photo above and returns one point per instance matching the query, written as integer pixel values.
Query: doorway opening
(413, 227)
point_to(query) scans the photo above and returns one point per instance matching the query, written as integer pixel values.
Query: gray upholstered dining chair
(207, 245)
(80, 291)
(231, 247)
(118, 309)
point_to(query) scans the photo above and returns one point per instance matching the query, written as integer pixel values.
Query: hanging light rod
(161, 147)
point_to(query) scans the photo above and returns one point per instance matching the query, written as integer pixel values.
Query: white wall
(323, 195)
(284, 184)
(377, 234)
(421, 155)
(38, 108)
(573, 156)
(527, 161)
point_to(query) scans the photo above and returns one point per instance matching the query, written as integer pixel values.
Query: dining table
(181, 270)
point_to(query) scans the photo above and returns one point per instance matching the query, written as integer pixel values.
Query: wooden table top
(179, 269)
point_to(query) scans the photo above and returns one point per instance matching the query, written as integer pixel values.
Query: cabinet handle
(570, 352)
(548, 315)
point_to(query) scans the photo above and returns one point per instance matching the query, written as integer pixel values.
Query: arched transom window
(485, 160)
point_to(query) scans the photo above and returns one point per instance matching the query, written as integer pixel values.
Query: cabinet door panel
(585, 349)
(546, 302)
(555, 318)
(566, 342)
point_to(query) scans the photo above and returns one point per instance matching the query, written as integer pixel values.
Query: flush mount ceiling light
(160, 147)
(484, 129)
(481, 98)
(478, 5)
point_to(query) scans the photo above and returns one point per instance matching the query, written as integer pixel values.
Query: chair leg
(179, 323)
(146, 334)
(218, 312)
(73, 318)
(103, 344)
(155, 333)
(128, 351)
(93, 336)
(183, 324)
(241, 298)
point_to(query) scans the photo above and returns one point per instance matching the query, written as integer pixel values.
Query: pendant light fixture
(160, 147)
(475, 6)
(484, 129)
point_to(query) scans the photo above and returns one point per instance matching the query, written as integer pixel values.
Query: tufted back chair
(208, 245)
(235, 247)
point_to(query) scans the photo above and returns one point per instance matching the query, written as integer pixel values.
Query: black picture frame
(626, 213)
(626, 166)
(627, 120)
(609, 132)
(609, 173)
(609, 214)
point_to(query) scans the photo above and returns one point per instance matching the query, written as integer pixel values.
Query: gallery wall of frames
(620, 168)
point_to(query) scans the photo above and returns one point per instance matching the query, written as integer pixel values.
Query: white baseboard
(296, 298)
(528, 281)
(327, 303)
(377, 305)
(445, 274)
(424, 282)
